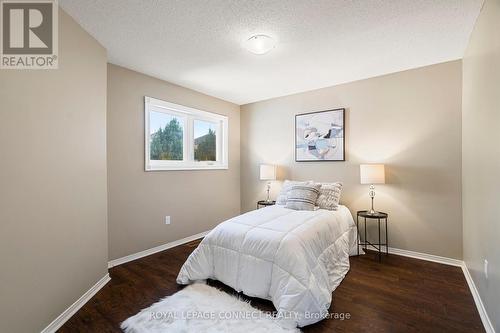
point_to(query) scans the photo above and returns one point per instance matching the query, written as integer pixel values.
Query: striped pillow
(287, 185)
(329, 196)
(302, 197)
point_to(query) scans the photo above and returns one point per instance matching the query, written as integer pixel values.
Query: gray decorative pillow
(329, 196)
(302, 197)
(287, 185)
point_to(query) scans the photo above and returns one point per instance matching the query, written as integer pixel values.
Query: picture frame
(320, 136)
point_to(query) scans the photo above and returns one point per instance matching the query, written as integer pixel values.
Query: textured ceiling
(197, 43)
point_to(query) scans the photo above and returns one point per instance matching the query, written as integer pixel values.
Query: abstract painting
(319, 136)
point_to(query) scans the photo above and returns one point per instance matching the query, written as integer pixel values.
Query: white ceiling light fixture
(260, 44)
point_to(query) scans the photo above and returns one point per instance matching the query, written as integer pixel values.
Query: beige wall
(138, 200)
(481, 157)
(410, 121)
(53, 233)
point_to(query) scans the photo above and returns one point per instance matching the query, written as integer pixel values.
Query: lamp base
(371, 211)
(268, 200)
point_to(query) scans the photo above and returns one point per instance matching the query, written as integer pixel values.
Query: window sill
(186, 168)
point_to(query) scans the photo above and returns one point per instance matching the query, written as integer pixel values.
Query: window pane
(166, 133)
(205, 141)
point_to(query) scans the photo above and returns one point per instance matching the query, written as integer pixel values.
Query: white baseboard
(138, 255)
(427, 257)
(73, 308)
(477, 299)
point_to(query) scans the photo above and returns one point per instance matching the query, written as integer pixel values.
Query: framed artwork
(319, 136)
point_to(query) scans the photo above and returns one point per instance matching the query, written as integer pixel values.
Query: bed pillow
(287, 185)
(303, 197)
(329, 196)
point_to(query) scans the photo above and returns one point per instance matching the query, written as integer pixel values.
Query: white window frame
(189, 115)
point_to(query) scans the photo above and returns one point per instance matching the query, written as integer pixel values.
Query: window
(182, 138)
(205, 140)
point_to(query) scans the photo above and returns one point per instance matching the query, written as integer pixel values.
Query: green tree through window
(204, 147)
(166, 143)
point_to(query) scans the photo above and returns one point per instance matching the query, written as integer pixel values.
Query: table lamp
(372, 174)
(268, 172)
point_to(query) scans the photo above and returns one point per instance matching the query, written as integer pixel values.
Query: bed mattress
(293, 258)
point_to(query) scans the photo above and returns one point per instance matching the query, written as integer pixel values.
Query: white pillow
(303, 197)
(287, 185)
(329, 196)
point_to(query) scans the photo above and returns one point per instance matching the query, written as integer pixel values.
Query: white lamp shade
(372, 174)
(267, 172)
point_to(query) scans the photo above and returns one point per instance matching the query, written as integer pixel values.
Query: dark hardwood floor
(398, 295)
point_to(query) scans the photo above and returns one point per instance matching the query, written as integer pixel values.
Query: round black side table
(265, 203)
(375, 216)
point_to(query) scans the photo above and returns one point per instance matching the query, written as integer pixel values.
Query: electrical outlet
(167, 219)
(486, 268)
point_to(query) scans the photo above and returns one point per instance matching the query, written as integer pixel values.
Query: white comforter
(293, 258)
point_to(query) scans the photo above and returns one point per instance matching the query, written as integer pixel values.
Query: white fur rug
(201, 308)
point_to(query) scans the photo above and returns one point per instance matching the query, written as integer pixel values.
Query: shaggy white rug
(201, 308)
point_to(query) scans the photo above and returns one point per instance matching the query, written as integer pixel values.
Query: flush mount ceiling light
(259, 44)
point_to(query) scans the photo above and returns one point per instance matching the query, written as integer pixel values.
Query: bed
(293, 258)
